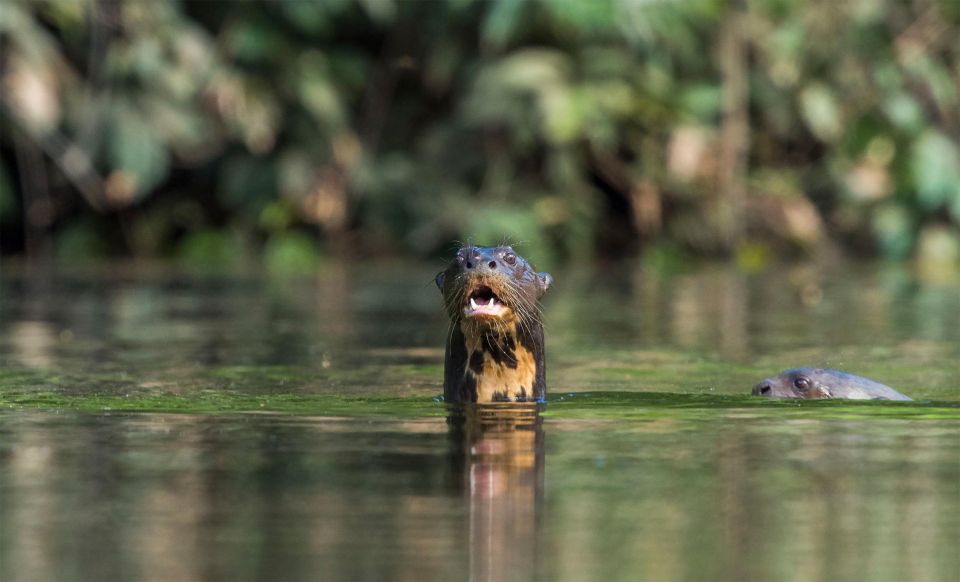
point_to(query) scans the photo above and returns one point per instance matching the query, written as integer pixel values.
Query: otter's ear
(544, 280)
(439, 281)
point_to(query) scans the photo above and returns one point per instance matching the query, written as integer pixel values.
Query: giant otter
(816, 383)
(495, 345)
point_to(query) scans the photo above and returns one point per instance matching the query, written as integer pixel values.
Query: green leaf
(382, 12)
(905, 113)
(592, 16)
(311, 17)
(291, 253)
(501, 21)
(894, 230)
(821, 112)
(935, 162)
(209, 248)
(135, 148)
(80, 242)
(939, 245)
(316, 91)
(256, 40)
(702, 102)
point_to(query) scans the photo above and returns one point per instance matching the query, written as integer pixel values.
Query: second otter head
(806, 383)
(491, 286)
(818, 383)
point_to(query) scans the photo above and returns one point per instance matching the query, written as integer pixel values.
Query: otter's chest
(503, 369)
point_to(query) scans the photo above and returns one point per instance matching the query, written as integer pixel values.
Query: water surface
(168, 426)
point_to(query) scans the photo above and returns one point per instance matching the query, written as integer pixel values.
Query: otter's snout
(764, 388)
(479, 261)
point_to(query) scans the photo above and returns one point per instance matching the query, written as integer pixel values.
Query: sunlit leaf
(593, 16)
(68, 14)
(316, 92)
(939, 245)
(189, 133)
(381, 11)
(312, 17)
(501, 18)
(935, 161)
(702, 102)
(904, 111)
(291, 253)
(821, 112)
(940, 80)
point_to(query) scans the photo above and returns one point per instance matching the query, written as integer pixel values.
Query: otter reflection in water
(495, 347)
(497, 461)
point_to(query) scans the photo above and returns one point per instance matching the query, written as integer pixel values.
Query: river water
(159, 425)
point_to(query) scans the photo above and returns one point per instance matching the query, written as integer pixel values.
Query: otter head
(491, 288)
(807, 383)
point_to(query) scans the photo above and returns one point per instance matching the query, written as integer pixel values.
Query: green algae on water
(623, 406)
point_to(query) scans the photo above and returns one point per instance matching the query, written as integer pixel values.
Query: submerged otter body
(817, 383)
(495, 346)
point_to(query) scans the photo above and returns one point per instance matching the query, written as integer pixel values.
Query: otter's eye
(510, 258)
(802, 383)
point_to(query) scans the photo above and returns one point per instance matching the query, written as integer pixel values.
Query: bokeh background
(285, 132)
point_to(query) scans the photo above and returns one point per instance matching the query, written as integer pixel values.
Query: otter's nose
(762, 389)
(481, 262)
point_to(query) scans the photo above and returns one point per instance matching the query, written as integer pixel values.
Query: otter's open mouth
(482, 301)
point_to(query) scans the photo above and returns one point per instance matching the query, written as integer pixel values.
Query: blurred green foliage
(220, 131)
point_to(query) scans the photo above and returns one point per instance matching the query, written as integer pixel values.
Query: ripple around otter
(243, 429)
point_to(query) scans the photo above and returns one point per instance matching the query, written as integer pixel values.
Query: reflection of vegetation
(403, 125)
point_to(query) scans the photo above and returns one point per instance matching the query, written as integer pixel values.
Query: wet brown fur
(510, 377)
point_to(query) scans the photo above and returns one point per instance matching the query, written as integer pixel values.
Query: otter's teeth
(490, 303)
(473, 303)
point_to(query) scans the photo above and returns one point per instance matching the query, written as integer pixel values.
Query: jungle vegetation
(289, 130)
